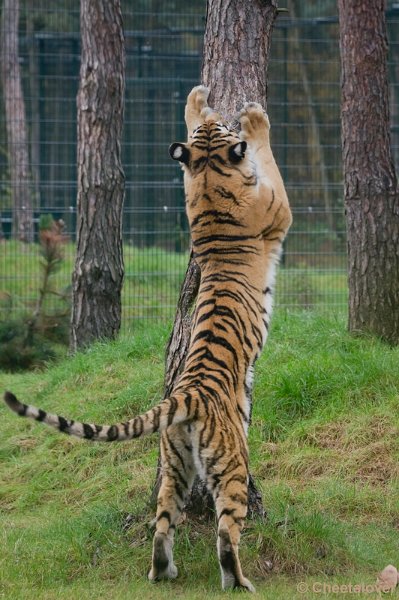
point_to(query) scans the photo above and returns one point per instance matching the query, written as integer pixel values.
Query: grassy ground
(324, 450)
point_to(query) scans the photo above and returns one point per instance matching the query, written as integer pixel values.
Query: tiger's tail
(171, 411)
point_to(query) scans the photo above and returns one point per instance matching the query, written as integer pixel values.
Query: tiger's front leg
(197, 101)
(178, 474)
(255, 130)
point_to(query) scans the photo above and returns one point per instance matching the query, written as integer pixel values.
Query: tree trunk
(34, 91)
(22, 223)
(371, 187)
(236, 50)
(98, 275)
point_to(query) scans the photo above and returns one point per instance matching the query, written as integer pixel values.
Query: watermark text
(323, 587)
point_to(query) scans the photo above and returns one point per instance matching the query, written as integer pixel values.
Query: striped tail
(171, 411)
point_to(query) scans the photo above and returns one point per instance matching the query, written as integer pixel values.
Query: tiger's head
(218, 175)
(213, 144)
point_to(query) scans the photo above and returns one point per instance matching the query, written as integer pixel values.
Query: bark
(236, 50)
(98, 274)
(371, 187)
(34, 91)
(18, 156)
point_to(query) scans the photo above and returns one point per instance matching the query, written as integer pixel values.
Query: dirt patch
(343, 435)
(375, 463)
(364, 451)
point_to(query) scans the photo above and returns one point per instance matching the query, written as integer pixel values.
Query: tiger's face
(219, 180)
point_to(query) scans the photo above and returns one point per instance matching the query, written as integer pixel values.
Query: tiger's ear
(237, 152)
(180, 152)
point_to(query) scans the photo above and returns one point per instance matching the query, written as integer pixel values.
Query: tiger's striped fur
(239, 215)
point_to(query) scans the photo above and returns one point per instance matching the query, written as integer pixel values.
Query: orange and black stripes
(175, 409)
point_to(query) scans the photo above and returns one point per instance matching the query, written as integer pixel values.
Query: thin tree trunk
(34, 90)
(393, 75)
(371, 187)
(98, 275)
(22, 226)
(236, 50)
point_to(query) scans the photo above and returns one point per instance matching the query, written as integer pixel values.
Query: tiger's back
(238, 217)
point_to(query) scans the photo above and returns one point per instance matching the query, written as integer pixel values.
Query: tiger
(239, 214)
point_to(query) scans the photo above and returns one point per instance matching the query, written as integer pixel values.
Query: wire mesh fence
(164, 51)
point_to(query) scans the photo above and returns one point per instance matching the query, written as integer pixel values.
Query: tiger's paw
(163, 566)
(247, 586)
(197, 99)
(244, 585)
(170, 573)
(254, 121)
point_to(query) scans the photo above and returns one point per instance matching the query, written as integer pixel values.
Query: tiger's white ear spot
(237, 152)
(177, 152)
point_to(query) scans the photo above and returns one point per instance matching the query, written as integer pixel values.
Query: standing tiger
(239, 214)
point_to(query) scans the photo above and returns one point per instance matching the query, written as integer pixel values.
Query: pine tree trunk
(371, 187)
(22, 224)
(236, 50)
(98, 275)
(34, 92)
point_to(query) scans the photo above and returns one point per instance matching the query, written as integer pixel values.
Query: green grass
(324, 448)
(152, 281)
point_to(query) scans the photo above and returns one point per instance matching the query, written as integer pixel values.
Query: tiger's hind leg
(178, 473)
(231, 502)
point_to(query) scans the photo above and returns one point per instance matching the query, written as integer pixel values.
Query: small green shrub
(20, 349)
(25, 341)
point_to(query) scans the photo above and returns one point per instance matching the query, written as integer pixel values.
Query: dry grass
(367, 450)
